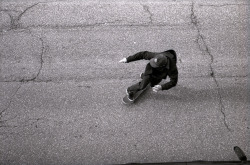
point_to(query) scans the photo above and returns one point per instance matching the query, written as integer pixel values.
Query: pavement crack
(41, 63)
(147, 10)
(105, 23)
(16, 19)
(200, 39)
(32, 122)
(222, 107)
(41, 57)
(8, 106)
(28, 8)
(204, 48)
(224, 5)
(193, 17)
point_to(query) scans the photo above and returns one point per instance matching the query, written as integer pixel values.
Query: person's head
(159, 61)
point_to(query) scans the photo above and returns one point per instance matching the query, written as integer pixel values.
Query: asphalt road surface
(61, 86)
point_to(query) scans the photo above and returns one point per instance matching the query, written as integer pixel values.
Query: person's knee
(142, 86)
(155, 82)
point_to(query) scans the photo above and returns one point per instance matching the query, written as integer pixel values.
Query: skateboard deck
(125, 99)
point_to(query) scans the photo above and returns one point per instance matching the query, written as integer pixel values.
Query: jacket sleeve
(141, 55)
(173, 75)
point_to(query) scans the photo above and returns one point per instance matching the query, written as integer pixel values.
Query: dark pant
(143, 84)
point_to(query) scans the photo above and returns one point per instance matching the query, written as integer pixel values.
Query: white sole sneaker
(128, 95)
(141, 75)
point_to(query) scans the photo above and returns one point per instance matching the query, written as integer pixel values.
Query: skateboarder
(159, 67)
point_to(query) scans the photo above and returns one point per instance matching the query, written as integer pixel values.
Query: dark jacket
(159, 73)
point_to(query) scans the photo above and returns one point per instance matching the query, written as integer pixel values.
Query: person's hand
(124, 60)
(157, 88)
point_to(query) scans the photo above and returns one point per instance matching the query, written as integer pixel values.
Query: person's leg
(140, 85)
(154, 81)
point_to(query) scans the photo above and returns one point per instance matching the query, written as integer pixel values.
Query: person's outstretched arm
(138, 56)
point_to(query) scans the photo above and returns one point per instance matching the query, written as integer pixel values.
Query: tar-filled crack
(15, 18)
(15, 22)
(39, 69)
(202, 43)
(41, 63)
(41, 57)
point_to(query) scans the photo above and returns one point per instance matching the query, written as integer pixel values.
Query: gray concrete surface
(61, 84)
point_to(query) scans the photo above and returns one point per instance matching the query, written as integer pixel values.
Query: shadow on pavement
(240, 154)
(186, 94)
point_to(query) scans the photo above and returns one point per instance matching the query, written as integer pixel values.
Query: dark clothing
(155, 75)
(143, 83)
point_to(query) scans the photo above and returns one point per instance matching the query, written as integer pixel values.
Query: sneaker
(127, 92)
(130, 95)
(141, 75)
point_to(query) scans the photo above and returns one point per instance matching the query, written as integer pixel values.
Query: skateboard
(125, 99)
